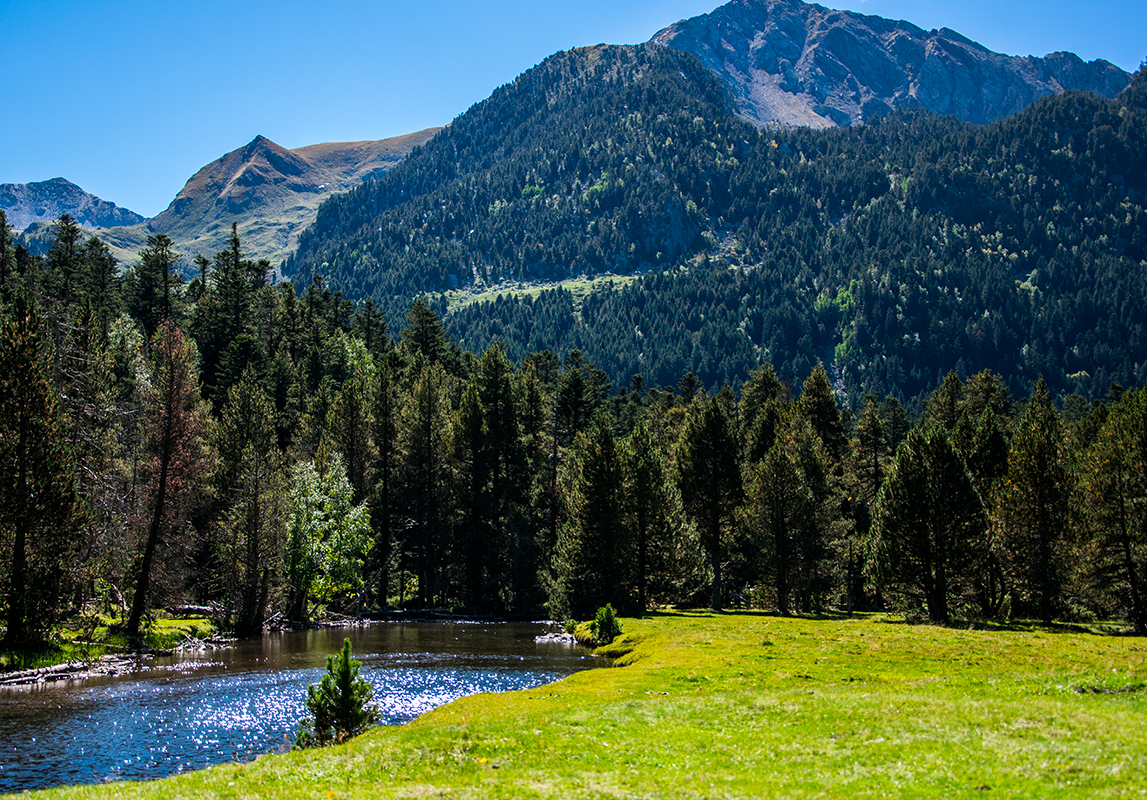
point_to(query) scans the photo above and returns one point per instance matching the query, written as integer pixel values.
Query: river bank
(756, 705)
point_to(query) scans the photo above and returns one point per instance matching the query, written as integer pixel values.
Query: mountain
(595, 160)
(892, 251)
(786, 62)
(45, 201)
(272, 193)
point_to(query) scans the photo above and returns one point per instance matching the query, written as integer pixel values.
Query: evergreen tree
(929, 523)
(102, 286)
(1114, 493)
(818, 405)
(667, 556)
(7, 253)
(1033, 510)
(384, 504)
(39, 514)
(424, 443)
(250, 482)
(64, 279)
(173, 423)
(710, 481)
(156, 278)
(595, 547)
(425, 335)
(339, 706)
(348, 431)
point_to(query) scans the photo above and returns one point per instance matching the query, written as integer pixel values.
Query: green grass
(580, 288)
(754, 705)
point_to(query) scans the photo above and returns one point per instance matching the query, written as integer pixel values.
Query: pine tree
(385, 417)
(64, 279)
(348, 431)
(38, 506)
(340, 705)
(1033, 509)
(1114, 492)
(710, 481)
(425, 335)
(424, 443)
(667, 555)
(157, 277)
(945, 403)
(929, 524)
(250, 482)
(595, 548)
(818, 405)
(7, 253)
(173, 422)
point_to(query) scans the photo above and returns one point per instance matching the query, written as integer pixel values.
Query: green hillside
(896, 251)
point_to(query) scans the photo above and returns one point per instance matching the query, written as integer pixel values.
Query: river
(189, 711)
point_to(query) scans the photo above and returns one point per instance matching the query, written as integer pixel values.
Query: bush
(340, 705)
(605, 625)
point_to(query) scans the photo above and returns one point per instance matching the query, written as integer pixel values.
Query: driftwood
(69, 671)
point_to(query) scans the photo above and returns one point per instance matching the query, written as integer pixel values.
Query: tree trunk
(143, 583)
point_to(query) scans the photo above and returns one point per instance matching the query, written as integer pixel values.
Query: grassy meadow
(751, 705)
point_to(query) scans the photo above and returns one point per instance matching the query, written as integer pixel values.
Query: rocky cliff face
(27, 203)
(793, 63)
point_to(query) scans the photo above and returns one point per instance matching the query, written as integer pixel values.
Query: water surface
(196, 709)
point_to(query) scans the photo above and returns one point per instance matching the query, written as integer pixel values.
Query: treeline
(896, 251)
(230, 442)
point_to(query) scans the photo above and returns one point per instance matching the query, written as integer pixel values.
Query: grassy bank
(91, 637)
(753, 705)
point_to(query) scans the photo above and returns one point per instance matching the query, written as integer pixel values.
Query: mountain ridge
(271, 193)
(44, 201)
(786, 62)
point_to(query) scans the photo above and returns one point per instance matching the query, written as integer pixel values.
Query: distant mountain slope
(894, 252)
(585, 163)
(45, 201)
(271, 192)
(792, 63)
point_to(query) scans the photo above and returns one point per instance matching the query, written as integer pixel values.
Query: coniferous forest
(240, 444)
(890, 366)
(893, 252)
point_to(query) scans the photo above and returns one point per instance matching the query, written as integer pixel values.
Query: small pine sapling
(340, 705)
(605, 626)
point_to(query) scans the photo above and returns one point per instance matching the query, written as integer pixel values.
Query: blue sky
(129, 99)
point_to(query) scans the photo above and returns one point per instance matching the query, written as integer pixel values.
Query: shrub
(605, 625)
(340, 705)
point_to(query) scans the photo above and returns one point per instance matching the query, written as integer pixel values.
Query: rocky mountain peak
(793, 63)
(44, 201)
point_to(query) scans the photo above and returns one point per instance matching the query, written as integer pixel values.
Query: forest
(893, 252)
(270, 450)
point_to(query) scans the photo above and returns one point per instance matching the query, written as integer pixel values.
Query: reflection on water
(189, 712)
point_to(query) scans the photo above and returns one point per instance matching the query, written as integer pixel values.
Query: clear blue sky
(128, 99)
